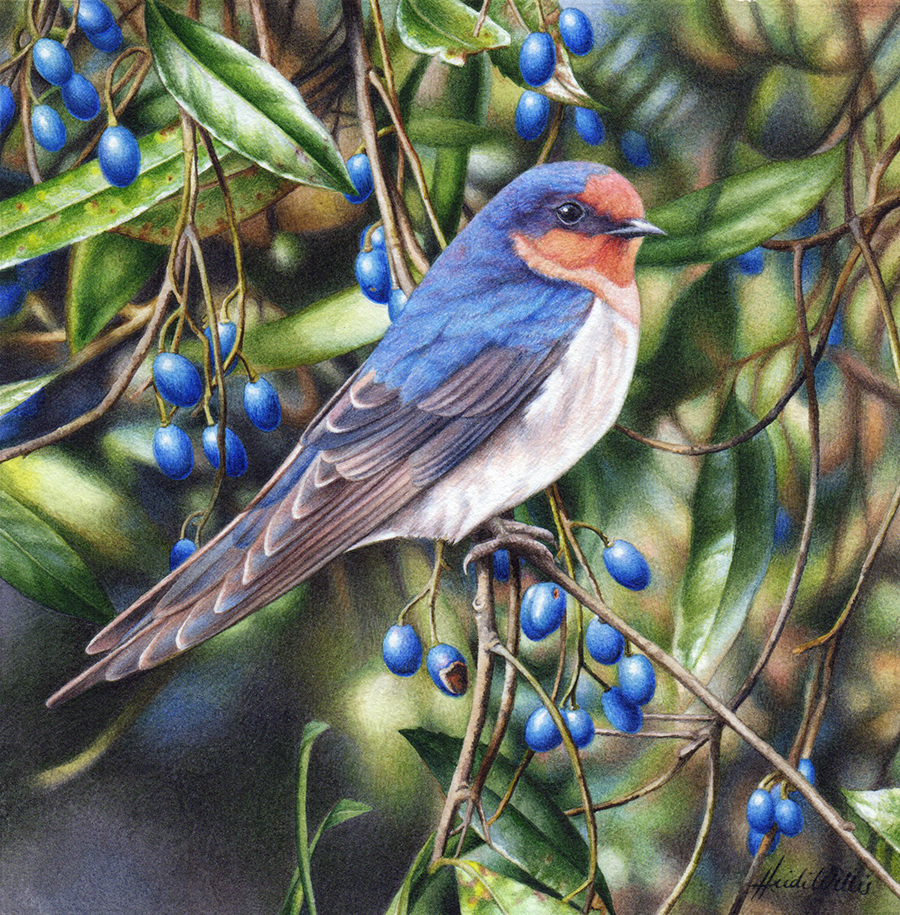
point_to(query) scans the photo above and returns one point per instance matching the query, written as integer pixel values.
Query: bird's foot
(506, 534)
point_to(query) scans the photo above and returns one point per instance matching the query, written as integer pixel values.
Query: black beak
(634, 228)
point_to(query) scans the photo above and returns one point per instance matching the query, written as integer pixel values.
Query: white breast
(576, 405)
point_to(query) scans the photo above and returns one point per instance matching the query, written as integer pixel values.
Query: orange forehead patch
(611, 194)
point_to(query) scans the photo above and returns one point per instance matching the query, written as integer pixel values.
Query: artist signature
(825, 880)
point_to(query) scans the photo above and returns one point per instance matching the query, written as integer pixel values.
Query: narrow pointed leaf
(446, 28)
(532, 833)
(311, 732)
(342, 811)
(484, 892)
(733, 514)
(242, 100)
(331, 327)
(252, 189)
(105, 272)
(735, 214)
(80, 203)
(400, 903)
(881, 810)
(40, 564)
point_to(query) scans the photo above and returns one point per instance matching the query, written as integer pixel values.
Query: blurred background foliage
(191, 806)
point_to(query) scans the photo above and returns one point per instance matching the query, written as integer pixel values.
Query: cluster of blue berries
(17, 282)
(117, 152)
(99, 25)
(774, 808)
(402, 653)
(537, 63)
(179, 382)
(373, 271)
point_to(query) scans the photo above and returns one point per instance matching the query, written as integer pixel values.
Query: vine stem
(459, 790)
(712, 793)
(361, 66)
(841, 827)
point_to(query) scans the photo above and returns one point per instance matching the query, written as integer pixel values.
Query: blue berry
(541, 732)
(760, 810)
(177, 379)
(576, 31)
(396, 303)
(173, 452)
(52, 61)
(227, 340)
(12, 297)
(108, 40)
(447, 668)
(581, 726)
(34, 273)
(604, 644)
(94, 16)
(7, 107)
(751, 262)
(626, 564)
(501, 565)
(182, 550)
(532, 115)
(261, 404)
(589, 126)
(119, 156)
(789, 817)
(360, 171)
(537, 58)
(80, 98)
(235, 453)
(805, 768)
(543, 608)
(376, 237)
(374, 275)
(637, 679)
(635, 149)
(754, 840)
(48, 128)
(402, 650)
(621, 712)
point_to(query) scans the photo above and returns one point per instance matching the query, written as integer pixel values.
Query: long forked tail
(299, 522)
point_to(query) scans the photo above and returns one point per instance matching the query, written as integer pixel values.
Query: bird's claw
(506, 534)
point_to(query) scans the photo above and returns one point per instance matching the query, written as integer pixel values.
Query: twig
(263, 36)
(459, 790)
(712, 793)
(835, 821)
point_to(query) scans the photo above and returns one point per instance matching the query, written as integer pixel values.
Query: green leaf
(532, 832)
(311, 732)
(331, 327)
(80, 203)
(11, 395)
(695, 345)
(252, 189)
(735, 214)
(733, 513)
(40, 564)
(881, 810)
(105, 272)
(242, 100)
(446, 28)
(342, 811)
(447, 133)
(484, 892)
(400, 903)
(463, 105)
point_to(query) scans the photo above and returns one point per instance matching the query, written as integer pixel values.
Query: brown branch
(460, 789)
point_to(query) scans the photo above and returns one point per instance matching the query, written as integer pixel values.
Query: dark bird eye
(569, 213)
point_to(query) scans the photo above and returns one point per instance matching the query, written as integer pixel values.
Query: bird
(508, 363)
